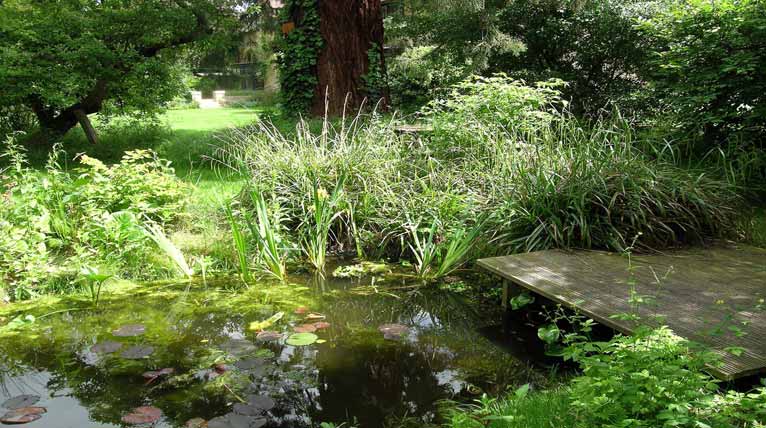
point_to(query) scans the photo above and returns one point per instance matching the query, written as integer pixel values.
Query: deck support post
(506, 285)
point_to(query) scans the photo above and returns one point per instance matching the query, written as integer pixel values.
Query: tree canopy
(66, 59)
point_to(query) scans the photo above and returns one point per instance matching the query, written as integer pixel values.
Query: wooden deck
(711, 296)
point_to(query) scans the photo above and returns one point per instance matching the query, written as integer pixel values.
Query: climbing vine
(374, 80)
(298, 53)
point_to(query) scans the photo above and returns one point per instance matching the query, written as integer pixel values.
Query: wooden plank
(713, 296)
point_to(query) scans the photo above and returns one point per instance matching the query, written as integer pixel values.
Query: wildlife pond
(365, 350)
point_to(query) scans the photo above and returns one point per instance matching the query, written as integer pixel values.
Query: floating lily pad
(313, 316)
(263, 402)
(305, 328)
(130, 330)
(238, 347)
(137, 352)
(106, 347)
(321, 325)
(21, 401)
(269, 336)
(22, 415)
(196, 423)
(393, 331)
(302, 339)
(250, 363)
(142, 415)
(233, 420)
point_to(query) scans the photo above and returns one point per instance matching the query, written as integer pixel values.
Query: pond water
(88, 366)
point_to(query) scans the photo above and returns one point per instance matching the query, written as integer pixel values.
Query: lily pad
(393, 331)
(269, 336)
(305, 328)
(22, 415)
(255, 406)
(302, 339)
(142, 415)
(238, 347)
(250, 363)
(21, 401)
(233, 420)
(321, 325)
(137, 352)
(130, 330)
(196, 423)
(158, 373)
(106, 347)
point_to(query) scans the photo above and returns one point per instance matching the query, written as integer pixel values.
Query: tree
(66, 59)
(331, 58)
(710, 69)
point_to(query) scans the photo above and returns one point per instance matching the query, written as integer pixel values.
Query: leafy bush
(54, 221)
(655, 379)
(652, 379)
(710, 68)
(593, 45)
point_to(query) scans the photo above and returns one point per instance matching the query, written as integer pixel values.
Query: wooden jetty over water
(713, 296)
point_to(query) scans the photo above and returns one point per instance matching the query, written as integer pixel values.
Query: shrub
(651, 379)
(710, 68)
(54, 221)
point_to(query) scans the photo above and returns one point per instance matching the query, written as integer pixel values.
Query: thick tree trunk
(350, 29)
(87, 127)
(55, 124)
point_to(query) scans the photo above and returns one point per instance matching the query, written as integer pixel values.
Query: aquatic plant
(438, 256)
(240, 245)
(272, 251)
(94, 279)
(319, 219)
(167, 246)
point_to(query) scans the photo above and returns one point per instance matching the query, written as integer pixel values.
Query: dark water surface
(355, 375)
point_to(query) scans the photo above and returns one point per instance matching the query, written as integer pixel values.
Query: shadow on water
(353, 374)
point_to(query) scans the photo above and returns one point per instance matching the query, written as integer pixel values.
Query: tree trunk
(87, 127)
(351, 29)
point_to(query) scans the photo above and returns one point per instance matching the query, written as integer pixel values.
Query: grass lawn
(211, 119)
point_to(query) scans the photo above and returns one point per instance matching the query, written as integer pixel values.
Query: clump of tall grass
(438, 255)
(318, 220)
(259, 240)
(501, 151)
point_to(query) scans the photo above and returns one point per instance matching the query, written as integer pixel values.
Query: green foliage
(418, 75)
(318, 220)
(651, 379)
(499, 150)
(297, 55)
(99, 56)
(53, 222)
(439, 254)
(540, 409)
(374, 80)
(654, 379)
(710, 68)
(593, 45)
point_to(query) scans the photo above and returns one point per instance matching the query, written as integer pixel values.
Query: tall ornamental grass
(501, 151)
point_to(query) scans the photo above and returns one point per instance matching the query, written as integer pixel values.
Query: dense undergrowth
(505, 169)
(59, 223)
(651, 379)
